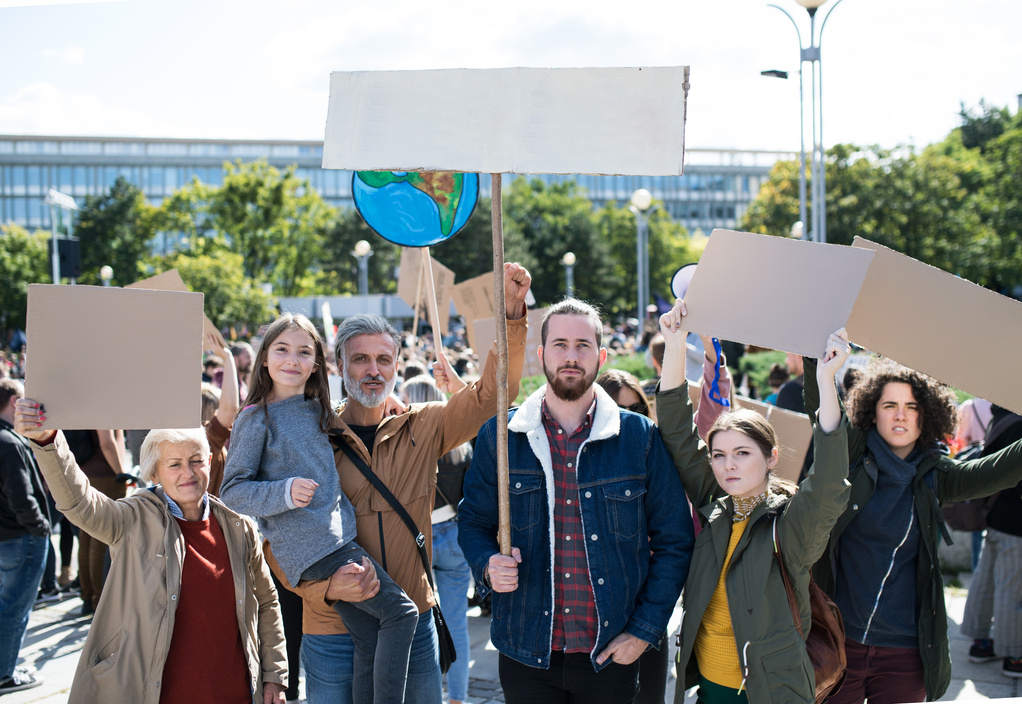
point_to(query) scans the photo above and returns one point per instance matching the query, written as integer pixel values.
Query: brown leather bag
(826, 641)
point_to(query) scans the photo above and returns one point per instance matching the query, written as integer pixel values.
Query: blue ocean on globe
(405, 215)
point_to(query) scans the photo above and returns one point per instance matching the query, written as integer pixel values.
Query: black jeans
(571, 679)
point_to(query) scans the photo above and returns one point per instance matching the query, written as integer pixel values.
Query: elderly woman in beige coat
(189, 612)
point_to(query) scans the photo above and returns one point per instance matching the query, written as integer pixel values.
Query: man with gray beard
(402, 450)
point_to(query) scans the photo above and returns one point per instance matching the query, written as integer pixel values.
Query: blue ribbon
(715, 386)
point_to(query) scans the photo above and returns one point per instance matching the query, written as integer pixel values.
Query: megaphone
(682, 279)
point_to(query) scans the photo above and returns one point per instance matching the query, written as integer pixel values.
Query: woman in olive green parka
(738, 636)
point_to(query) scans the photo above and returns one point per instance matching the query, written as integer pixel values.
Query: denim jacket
(639, 534)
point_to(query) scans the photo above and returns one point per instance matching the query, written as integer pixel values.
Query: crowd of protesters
(295, 530)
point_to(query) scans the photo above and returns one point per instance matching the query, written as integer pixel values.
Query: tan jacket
(131, 632)
(405, 459)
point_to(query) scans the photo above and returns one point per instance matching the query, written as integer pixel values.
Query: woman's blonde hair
(149, 455)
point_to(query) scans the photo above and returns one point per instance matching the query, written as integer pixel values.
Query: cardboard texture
(774, 292)
(486, 333)
(794, 431)
(934, 322)
(473, 299)
(171, 281)
(408, 283)
(115, 358)
(509, 120)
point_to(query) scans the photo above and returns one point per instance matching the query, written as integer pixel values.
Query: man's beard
(567, 390)
(369, 400)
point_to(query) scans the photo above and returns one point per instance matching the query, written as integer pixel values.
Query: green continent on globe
(443, 187)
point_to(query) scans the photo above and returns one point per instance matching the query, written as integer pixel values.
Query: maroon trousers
(881, 675)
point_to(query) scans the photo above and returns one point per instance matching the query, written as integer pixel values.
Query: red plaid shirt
(575, 618)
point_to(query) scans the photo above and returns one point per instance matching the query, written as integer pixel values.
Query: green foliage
(273, 219)
(553, 220)
(757, 366)
(23, 261)
(956, 205)
(634, 364)
(115, 229)
(231, 299)
(470, 253)
(340, 268)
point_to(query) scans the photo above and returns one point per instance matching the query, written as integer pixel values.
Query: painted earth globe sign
(415, 208)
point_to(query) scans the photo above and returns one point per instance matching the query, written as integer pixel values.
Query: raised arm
(829, 413)
(229, 401)
(709, 410)
(100, 516)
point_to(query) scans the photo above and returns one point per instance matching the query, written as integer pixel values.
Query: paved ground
(56, 634)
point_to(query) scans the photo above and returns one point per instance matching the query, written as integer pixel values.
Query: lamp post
(640, 202)
(106, 273)
(363, 250)
(59, 202)
(811, 54)
(568, 260)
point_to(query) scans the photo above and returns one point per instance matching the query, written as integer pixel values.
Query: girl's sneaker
(982, 650)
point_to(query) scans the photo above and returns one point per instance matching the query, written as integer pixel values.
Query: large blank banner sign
(509, 120)
(109, 358)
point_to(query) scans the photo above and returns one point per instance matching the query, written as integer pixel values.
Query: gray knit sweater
(263, 458)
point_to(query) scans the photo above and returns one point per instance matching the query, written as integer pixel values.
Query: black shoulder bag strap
(420, 539)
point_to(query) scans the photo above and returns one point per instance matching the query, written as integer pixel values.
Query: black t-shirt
(1006, 513)
(367, 434)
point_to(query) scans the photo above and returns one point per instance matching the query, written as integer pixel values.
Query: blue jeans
(381, 627)
(453, 575)
(21, 569)
(329, 666)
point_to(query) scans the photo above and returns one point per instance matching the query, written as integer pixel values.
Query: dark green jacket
(939, 479)
(772, 654)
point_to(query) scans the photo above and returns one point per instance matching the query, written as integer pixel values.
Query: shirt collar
(549, 420)
(176, 511)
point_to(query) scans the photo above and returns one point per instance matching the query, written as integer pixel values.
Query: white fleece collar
(606, 420)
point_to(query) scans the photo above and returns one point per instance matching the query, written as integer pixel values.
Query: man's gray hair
(363, 324)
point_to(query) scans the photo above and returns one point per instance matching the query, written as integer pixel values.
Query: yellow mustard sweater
(715, 649)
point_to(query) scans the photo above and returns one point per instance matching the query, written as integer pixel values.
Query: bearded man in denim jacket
(601, 534)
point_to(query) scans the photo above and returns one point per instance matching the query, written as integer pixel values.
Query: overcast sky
(895, 71)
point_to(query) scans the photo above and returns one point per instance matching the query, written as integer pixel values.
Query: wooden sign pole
(418, 298)
(433, 311)
(500, 315)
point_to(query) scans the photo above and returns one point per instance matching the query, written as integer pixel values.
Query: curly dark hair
(938, 405)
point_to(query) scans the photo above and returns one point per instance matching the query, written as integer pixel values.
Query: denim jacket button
(593, 536)
(606, 623)
(589, 494)
(518, 485)
(600, 580)
(628, 492)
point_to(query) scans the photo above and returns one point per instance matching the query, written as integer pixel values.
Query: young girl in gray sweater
(281, 470)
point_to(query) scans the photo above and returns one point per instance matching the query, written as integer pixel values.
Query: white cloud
(72, 55)
(42, 108)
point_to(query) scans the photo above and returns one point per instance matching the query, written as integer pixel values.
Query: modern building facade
(714, 192)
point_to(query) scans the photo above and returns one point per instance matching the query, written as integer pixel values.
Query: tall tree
(115, 229)
(340, 268)
(470, 253)
(552, 220)
(273, 219)
(23, 261)
(231, 298)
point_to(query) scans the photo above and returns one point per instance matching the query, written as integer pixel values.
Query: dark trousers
(571, 679)
(653, 667)
(381, 628)
(291, 614)
(880, 675)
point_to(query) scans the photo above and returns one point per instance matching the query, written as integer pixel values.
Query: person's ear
(603, 356)
(773, 458)
(539, 353)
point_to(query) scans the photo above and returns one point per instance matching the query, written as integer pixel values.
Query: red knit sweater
(206, 662)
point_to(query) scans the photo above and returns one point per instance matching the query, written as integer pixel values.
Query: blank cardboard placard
(794, 431)
(509, 120)
(774, 292)
(171, 281)
(115, 358)
(473, 299)
(486, 333)
(408, 276)
(934, 322)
